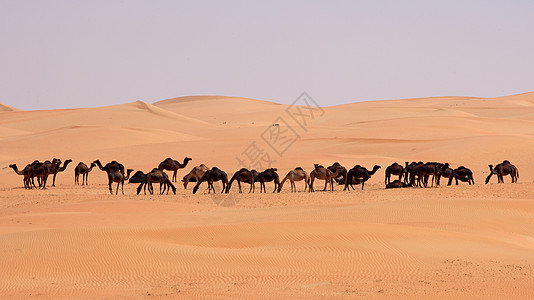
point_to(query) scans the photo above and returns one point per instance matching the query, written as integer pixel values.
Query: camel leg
(325, 184)
(450, 181)
(275, 184)
(54, 180)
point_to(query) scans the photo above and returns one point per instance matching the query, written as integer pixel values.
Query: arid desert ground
(465, 241)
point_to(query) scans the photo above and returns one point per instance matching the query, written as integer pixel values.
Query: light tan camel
(325, 174)
(195, 174)
(298, 174)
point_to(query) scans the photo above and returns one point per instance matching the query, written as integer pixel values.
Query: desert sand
(465, 241)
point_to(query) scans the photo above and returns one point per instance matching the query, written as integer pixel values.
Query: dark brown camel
(82, 169)
(244, 175)
(463, 174)
(267, 176)
(195, 174)
(154, 176)
(397, 184)
(115, 171)
(325, 174)
(212, 175)
(119, 178)
(27, 172)
(297, 174)
(170, 164)
(425, 171)
(41, 171)
(342, 176)
(56, 168)
(503, 169)
(361, 174)
(394, 169)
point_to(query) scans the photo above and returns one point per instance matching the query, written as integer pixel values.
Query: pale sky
(68, 54)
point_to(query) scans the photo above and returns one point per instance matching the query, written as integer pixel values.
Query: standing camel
(27, 174)
(297, 174)
(55, 168)
(212, 175)
(82, 169)
(173, 165)
(359, 174)
(195, 174)
(244, 175)
(503, 169)
(325, 174)
(115, 171)
(394, 169)
(267, 176)
(154, 176)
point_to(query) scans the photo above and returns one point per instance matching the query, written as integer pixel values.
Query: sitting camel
(325, 174)
(82, 169)
(359, 173)
(195, 174)
(394, 169)
(268, 176)
(297, 174)
(170, 164)
(503, 169)
(244, 175)
(397, 184)
(212, 175)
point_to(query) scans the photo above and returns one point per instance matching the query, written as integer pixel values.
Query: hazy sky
(65, 54)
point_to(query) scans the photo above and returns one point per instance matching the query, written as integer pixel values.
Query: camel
(82, 169)
(445, 171)
(55, 168)
(27, 172)
(410, 173)
(503, 169)
(115, 173)
(156, 176)
(244, 175)
(425, 171)
(41, 171)
(173, 165)
(397, 184)
(119, 178)
(463, 174)
(267, 176)
(360, 173)
(297, 174)
(342, 172)
(325, 174)
(394, 169)
(195, 174)
(212, 175)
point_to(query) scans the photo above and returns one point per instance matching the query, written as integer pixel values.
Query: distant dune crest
(5, 107)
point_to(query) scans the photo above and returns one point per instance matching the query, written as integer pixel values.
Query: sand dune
(466, 241)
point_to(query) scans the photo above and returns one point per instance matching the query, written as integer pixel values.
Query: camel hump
(299, 168)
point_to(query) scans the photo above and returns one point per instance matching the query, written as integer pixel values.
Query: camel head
(375, 168)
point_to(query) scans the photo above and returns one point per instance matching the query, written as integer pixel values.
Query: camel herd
(414, 174)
